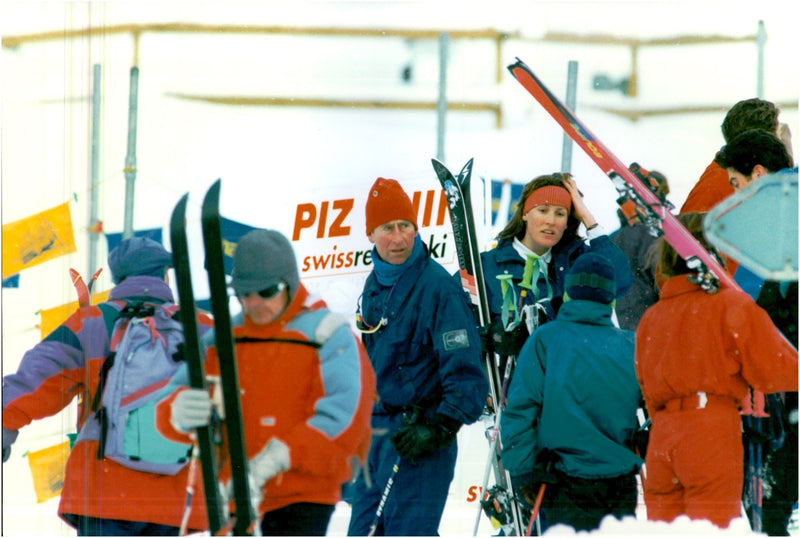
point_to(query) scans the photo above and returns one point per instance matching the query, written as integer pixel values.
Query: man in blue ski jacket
(421, 338)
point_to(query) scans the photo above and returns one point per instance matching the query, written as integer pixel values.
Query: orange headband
(550, 195)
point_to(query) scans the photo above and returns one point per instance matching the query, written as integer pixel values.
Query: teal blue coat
(574, 392)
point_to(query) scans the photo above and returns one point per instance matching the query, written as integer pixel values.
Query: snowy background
(272, 158)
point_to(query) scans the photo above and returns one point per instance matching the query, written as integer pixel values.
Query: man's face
(739, 180)
(394, 240)
(265, 306)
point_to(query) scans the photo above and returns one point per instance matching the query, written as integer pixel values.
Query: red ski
(650, 208)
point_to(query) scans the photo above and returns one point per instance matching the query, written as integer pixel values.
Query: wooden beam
(604, 39)
(238, 100)
(179, 27)
(636, 114)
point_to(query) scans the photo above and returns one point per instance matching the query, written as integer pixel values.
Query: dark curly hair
(750, 114)
(516, 226)
(754, 147)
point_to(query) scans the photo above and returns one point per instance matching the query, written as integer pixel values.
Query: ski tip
(466, 169)
(517, 63)
(211, 199)
(179, 213)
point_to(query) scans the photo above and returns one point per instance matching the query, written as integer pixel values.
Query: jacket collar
(680, 284)
(582, 311)
(142, 286)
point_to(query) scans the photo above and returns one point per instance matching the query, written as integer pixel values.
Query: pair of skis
(499, 501)
(237, 456)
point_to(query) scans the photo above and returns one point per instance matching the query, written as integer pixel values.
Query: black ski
(212, 241)
(499, 501)
(194, 360)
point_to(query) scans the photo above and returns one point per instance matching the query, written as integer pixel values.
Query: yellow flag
(47, 467)
(37, 239)
(53, 317)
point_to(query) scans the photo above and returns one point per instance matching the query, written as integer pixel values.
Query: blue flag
(497, 192)
(115, 238)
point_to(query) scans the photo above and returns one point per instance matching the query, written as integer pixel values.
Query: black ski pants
(583, 502)
(299, 519)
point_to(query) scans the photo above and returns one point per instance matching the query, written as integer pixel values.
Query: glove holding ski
(191, 409)
(542, 473)
(266, 465)
(422, 438)
(508, 343)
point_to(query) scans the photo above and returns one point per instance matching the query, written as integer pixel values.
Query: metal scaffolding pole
(441, 105)
(572, 85)
(94, 167)
(761, 40)
(130, 157)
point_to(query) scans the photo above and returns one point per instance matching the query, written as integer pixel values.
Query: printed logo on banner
(329, 236)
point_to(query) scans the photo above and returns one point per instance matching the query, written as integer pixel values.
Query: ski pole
(190, 482)
(495, 438)
(386, 490)
(535, 509)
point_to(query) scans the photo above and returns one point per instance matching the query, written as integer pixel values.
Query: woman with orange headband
(544, 227)
(529, 265)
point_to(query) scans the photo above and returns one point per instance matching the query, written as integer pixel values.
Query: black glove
(6, 453)
(641, 438)
(422, 438)
(508, 343)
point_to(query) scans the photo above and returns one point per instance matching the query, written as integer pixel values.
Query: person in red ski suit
(696, 355)
(307, 390)
(100, 496)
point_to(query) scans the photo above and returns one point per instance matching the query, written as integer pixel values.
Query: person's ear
(759, 171)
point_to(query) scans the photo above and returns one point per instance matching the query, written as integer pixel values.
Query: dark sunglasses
(270, 292)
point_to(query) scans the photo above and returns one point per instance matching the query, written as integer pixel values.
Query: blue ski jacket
(428, 353)
(574, 392)
(504, 259)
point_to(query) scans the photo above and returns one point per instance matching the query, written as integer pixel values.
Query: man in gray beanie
(572, 403)
(264, 266)
(97, 493)
(307, 391)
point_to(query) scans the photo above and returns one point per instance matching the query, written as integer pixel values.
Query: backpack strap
(253, 340)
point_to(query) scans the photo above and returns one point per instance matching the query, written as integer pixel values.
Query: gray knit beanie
(262, 259)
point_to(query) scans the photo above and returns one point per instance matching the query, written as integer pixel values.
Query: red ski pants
(694, 464)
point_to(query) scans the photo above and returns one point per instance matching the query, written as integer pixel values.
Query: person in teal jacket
(572, 407)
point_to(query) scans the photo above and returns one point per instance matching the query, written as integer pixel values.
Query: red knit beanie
(388, 201)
